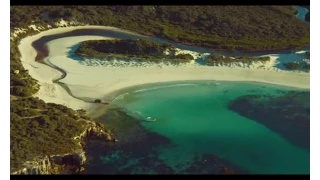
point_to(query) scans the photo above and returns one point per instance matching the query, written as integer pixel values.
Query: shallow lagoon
(195, 118)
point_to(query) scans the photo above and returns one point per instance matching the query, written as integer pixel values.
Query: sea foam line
(161, 87)
(121, 96)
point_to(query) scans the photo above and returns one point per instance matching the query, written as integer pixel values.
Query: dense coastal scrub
(21, 83)
(218, 58)
(249, 28)
(142, 50)
(38, 129)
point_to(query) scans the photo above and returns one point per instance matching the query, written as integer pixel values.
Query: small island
(297, 66)
(305, 65)
(139, 50)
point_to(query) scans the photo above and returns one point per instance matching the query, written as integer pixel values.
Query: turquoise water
(301, 13)
(195, 117)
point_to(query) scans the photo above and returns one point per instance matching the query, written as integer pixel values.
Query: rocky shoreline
(71, 163)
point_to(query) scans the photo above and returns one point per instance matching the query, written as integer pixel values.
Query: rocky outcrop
(71, 163)
(95, 131)
(37, 166)
(56, 164)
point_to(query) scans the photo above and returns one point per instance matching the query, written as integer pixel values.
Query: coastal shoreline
(88, 82)
(51, 90)
(46, 74)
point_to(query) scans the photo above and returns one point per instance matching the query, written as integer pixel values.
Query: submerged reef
(287, 114)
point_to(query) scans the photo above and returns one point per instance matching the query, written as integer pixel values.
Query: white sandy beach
(49, 91)
(98, 80)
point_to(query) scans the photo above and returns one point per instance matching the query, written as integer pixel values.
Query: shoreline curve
(130, 76)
